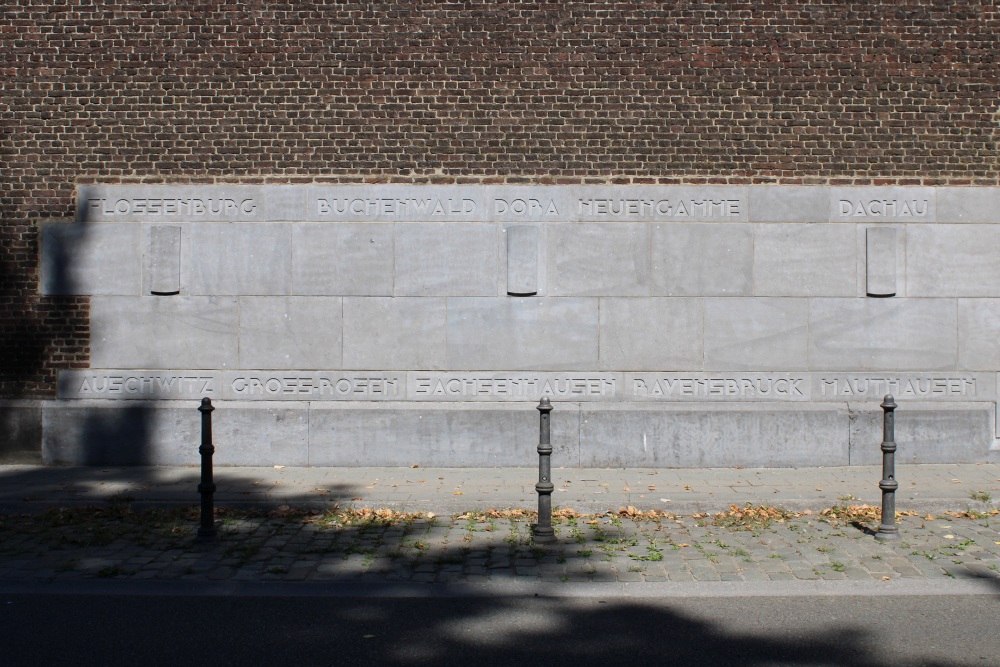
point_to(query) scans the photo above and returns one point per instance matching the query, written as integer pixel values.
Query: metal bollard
(207, 487)
(543, 529)
(888, 530)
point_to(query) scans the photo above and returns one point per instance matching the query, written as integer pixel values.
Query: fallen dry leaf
(279, 467)
(458, 493)
(415, 466)
(626, 489)
(651, 488)
(885, 578)
(687, 488)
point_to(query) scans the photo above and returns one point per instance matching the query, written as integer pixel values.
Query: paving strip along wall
(407, 324)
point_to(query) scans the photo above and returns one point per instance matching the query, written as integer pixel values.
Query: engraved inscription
(182, 206)
(286, 386)
(394, 207)
(143, 386)
(523, 387)
(915, 387)
(706, 387)
(745, 388)
(530, 208)
(884, 208)
(660, 208)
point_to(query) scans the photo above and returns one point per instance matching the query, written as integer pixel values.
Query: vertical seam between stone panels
(239, 331)
(392, 253)
(579, 434)
(649, 259)
(701, 316)
(600, 360)
(906, 264)
(809, 340)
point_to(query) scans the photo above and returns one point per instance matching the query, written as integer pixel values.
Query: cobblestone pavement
(415, 526)
(116, 542)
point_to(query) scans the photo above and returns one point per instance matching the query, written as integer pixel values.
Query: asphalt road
(84, 630)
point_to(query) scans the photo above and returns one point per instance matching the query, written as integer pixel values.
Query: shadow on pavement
(99, 630)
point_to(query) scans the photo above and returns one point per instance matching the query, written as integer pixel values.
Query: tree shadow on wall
(42, 326)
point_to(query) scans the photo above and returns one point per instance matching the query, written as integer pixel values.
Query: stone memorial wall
(713, 233)
(406, 324)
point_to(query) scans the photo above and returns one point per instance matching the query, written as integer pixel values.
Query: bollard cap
(888, 403)
(544, 405)
(206, 405)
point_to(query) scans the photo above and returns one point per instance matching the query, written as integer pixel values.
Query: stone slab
(701, 260)
(968, 205)
(598, 260)
(402, 333)
(756, 333)
(483, 435)
(883, 334)
(237, 259)
(342, 259)
(709, 435)
(79, 258)
(285, 203)
(446, 260)
(789, 203)
(21, 421)
(952, 260)
(647, 334)
(804, 260)
(978, 338)
(298, 332)
(924, 433)
(164, 332)
(152, 433)
(392, 433)
(546, 334)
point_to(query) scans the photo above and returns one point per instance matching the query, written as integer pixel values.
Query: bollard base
(205, 536)
(887, 535)
(542, 534)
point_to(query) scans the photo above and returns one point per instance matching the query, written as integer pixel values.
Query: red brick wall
(667, 92)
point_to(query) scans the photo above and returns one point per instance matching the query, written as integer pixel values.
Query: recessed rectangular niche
(522, 260)
(880, 269)
(163, 260)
